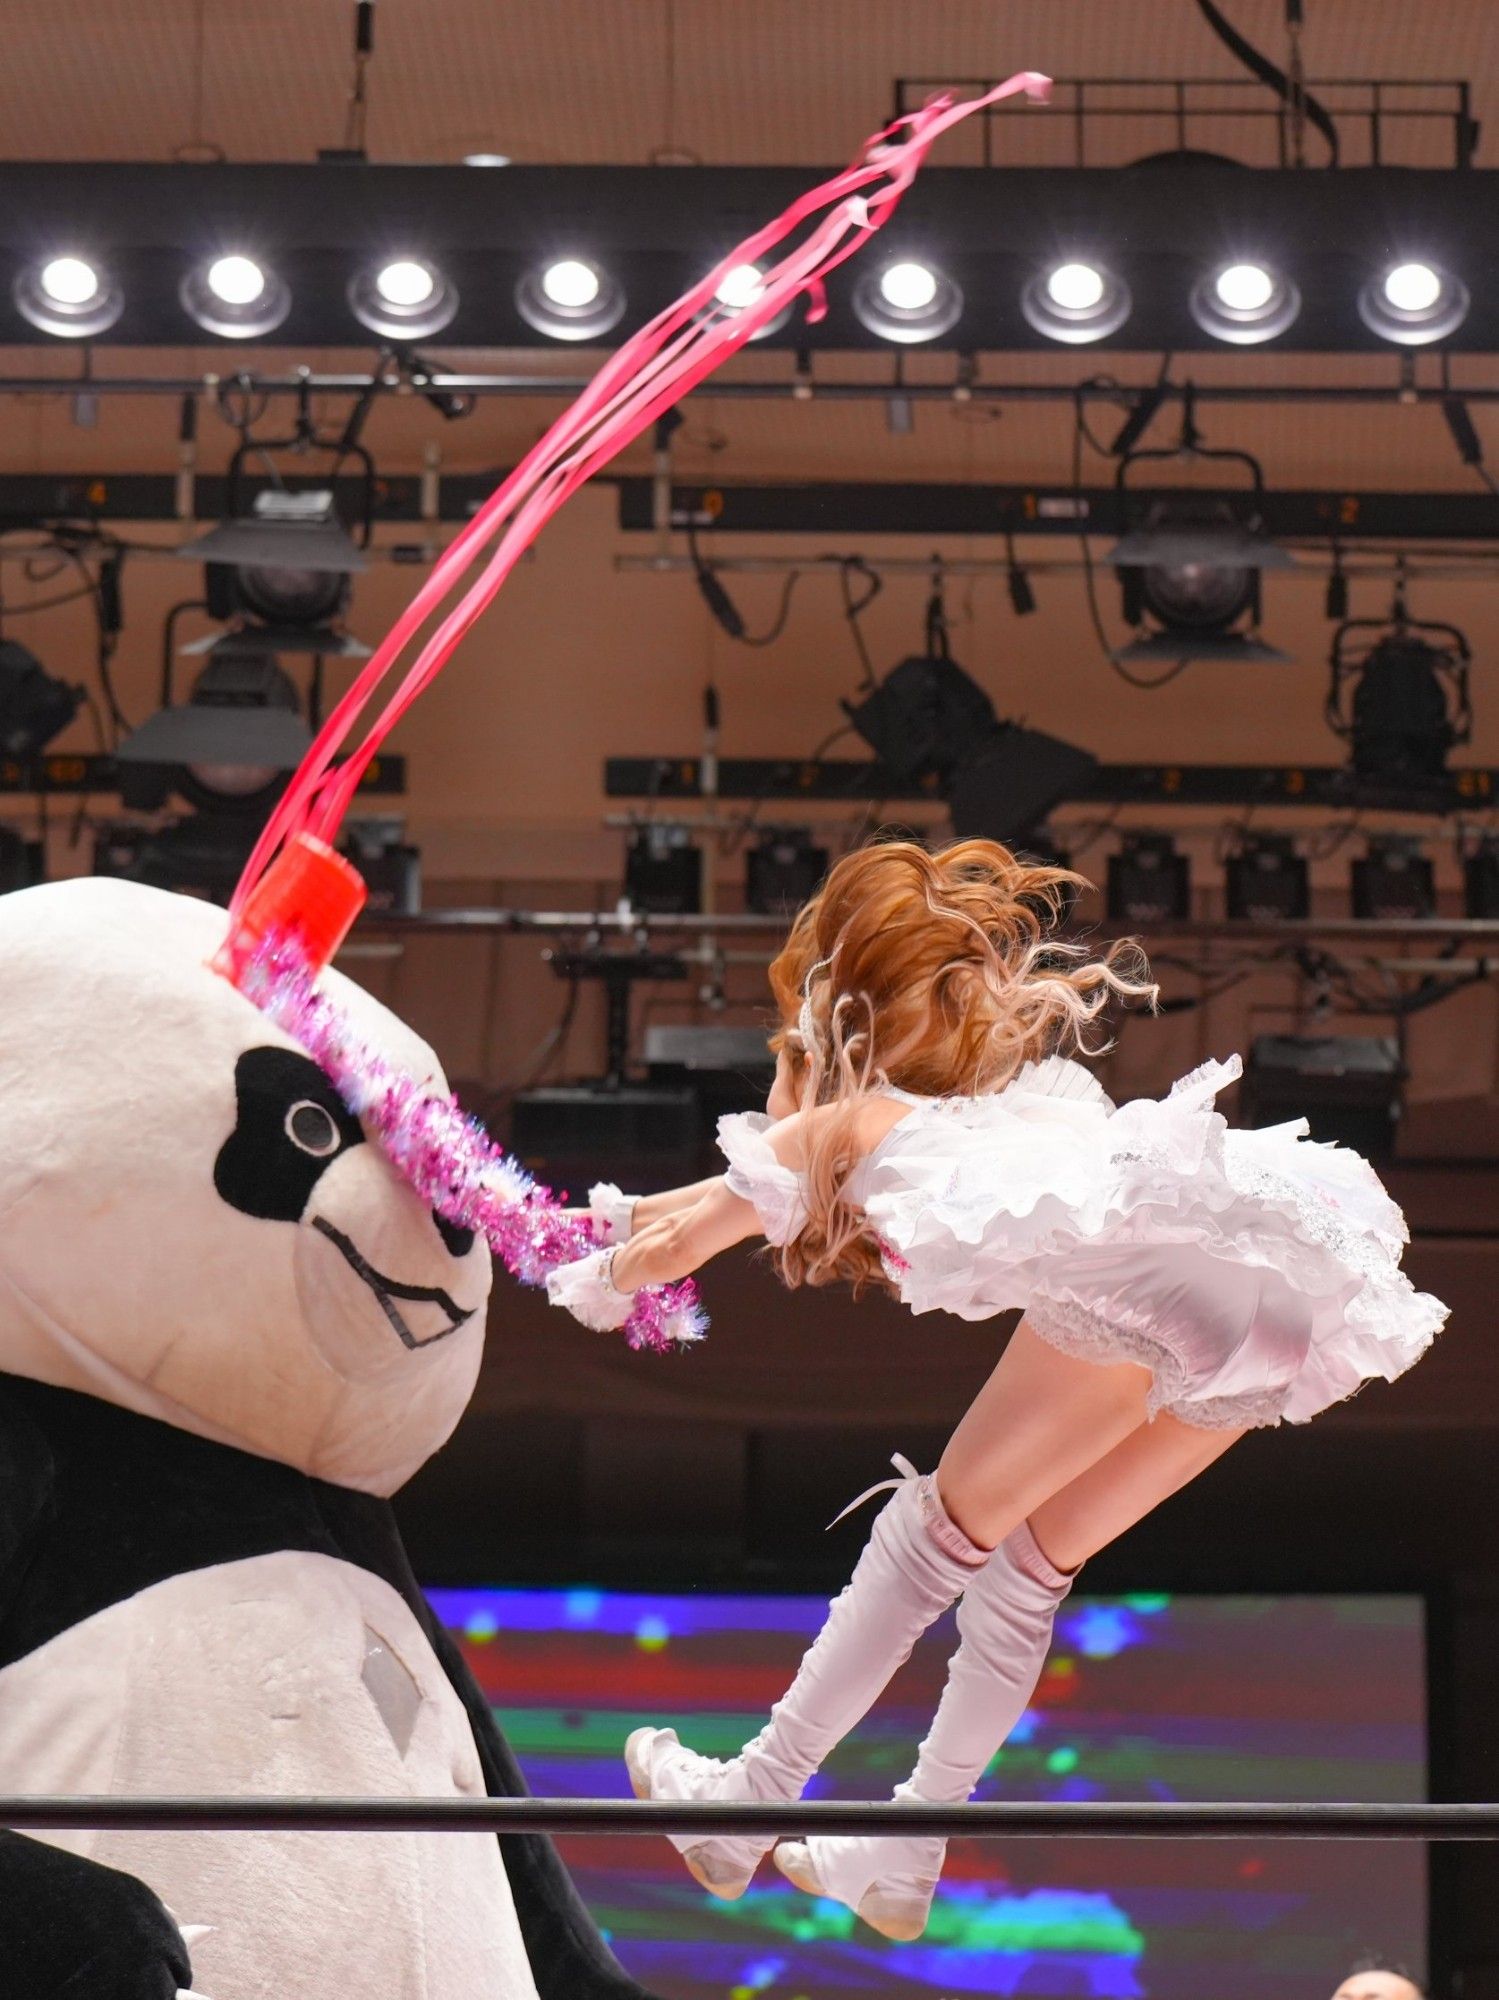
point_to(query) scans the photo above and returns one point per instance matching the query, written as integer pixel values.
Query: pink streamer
(651, 372)
(448, 1157)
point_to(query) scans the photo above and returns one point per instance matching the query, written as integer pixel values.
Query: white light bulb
(1075, 287)
(1412, 288)
(570, 283)
(486, 159)
(237, 281)
(740, 286)
(908, 287)
(1245, 288)
(405, 283)
(68, 281)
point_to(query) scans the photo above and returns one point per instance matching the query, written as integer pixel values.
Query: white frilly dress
(1256, 1274)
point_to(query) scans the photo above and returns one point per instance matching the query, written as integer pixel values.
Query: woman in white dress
(1180, 1283)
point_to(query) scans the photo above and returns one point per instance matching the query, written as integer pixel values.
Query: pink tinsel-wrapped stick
(448, 1157)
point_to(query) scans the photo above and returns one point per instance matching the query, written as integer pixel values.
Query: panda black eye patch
(290, 1124)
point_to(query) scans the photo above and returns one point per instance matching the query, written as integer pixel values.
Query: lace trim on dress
(1087, 1335)
(1232, 1413)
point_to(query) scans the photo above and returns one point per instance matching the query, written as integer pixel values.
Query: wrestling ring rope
(1126, 1820)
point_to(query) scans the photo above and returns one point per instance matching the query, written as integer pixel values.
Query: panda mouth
(388, 1290)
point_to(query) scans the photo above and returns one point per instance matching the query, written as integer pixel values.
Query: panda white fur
(228, 1330)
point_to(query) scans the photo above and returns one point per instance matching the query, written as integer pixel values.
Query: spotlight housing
(287, 565)
(403, 298)
(1149, 881)
(1191, 561)
(1392, 880)
(226, 748)
(1266, 880)
(1244, 303)
(34, 705)
(927, 719)
(907, 302)
(67, 295)
(1413, 303)
(570, 298)
(739, 287)
(1481, 878)
(235, 296)
(1399, 696)
(1076, 302)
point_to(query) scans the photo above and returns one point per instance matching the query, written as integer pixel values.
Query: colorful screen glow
(1144, 1698)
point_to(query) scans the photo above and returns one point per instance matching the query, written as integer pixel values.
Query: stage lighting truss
(908, 302)
(68, 295)
(1076, 301)
(570, 298)
(403, 298)
(1244, 303)
(1413, 303)
(235, 296)
(1399, 696)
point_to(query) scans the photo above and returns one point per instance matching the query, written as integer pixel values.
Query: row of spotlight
(233, 295)
(573, 298)
(1242, 303)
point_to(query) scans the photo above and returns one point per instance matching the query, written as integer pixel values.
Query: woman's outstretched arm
(680, 1240)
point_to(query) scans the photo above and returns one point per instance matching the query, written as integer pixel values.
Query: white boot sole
(727, 1880)
(892, 1915)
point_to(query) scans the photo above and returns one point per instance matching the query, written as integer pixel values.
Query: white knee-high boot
(1004, 1622)
(915, 1563)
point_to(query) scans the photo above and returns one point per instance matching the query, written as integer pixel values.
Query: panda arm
(69, 1926)
(569, 1959)
(27, 1473)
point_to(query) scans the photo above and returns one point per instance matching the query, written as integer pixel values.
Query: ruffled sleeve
(758, 1177)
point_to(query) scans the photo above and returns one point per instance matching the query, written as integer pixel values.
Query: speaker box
(1347, 1087)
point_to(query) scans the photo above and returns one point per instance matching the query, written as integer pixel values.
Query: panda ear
(290, 1124)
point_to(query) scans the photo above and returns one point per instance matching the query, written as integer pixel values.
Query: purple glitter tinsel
(447, 1156)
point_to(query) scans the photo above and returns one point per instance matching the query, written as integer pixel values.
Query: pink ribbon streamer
(643, 379)
(448, 1157)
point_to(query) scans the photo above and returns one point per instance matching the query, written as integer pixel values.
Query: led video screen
(1282, 1698)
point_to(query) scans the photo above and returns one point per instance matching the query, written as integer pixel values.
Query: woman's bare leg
(1039, 1422)
(1099, 1505)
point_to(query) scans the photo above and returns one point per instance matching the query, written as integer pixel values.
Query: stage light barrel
(235, 296)
(570, 298)
(1413, 303)
(1076, 301)
(403, 298)
(907, 302)
(68, 295)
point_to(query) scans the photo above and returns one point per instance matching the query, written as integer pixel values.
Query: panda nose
(459, 1241)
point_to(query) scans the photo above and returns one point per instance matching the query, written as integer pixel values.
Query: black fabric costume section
(261, 1170)
(72, 1929)
(102, 1504)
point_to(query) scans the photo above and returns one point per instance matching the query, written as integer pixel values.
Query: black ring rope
(1153, 1820)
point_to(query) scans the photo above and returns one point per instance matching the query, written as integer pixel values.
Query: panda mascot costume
(229, 1331)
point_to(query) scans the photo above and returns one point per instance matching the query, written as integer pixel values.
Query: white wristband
(612, 1211)
(587, 1290)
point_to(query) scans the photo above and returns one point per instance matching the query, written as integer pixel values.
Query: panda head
(192, 1224)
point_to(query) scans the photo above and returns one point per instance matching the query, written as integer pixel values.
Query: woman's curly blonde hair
(937, 972)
